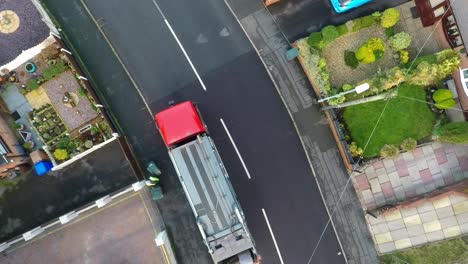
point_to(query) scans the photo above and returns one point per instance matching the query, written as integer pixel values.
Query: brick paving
(412, 173)
(444, 217)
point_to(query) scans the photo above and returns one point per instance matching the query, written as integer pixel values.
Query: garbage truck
(206, 184)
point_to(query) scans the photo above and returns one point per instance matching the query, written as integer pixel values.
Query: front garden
(408, 91)
(64, 113)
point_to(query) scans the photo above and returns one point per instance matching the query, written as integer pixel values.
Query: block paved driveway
(412, 173)
(442, 217)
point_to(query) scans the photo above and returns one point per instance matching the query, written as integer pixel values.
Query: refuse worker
(154, 179)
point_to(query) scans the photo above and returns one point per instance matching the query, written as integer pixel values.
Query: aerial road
(177, 50)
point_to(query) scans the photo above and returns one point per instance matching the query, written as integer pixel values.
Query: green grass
(451, 251)
(403, 118)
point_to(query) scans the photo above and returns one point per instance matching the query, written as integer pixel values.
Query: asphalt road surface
(298, 18)
(177, 50)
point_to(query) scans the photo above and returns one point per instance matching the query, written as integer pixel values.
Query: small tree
(60, 154)
(350, 59)
(455, 132)
(409, 144)
(400, 41)
(389, 151)
(389, 17)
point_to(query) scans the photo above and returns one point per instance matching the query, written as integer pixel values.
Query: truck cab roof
(179, 122)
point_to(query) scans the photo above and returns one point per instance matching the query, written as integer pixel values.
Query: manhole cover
(9, 21)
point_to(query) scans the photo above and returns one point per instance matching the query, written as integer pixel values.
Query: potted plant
(28, 145)
(19, 127)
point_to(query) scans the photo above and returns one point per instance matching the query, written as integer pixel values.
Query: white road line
(180, 45)
(235, 147)
(272, 236)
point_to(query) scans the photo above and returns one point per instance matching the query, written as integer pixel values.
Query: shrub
(316, 40)
(456, 132)
(434, 68)
(409, 144)
(54, 70)
(347, 87)
(365, 55)
(354, 150)
(67, 144)
(33, 84)
(311, 60)
(389, 151)
(448, 61)
(376, 15)
(350, 59)
(338, 100)
(322, 64)
(28, 145)
(342, 30)
(82, 92)
(445, 104)
(329, 34)
(441, 95)
(370, 51)
(389, 32)
(389, 17)
(403, 56)
(400, 41)
(363, 22)
(60, 154)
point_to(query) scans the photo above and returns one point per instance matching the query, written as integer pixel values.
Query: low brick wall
(337, 134)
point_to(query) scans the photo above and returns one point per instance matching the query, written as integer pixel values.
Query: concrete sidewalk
(332, 177)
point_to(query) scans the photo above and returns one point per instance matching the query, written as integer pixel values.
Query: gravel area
(334, 55)
(73, 117)
(30, 32)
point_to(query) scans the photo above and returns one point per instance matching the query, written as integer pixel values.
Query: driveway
(298, 18)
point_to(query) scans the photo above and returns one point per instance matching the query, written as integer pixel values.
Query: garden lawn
(402, 119)
(451, 251)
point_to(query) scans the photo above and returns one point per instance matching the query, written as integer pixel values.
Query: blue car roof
(349, 5)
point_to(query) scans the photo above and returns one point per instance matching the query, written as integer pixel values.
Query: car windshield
(344, 2)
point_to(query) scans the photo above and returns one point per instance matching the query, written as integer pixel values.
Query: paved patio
(430, 220)
(412, 173)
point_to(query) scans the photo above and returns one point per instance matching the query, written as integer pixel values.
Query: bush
(456, 132)
(389, 17)
(60, 154)
(354, 150)
(338, 100)
(389, 151)
(445, 104)
(350, 59)
(399, 41)
(316, 40)
(370, 51)
(441, 95)
(342, 30)
(347, 87)
(434, 68)
(32, 84)
(409, 144)
(329, 34)
(403, 56)
(363, 22)
(376, 15)
(389, 32)
(54, 70)
(67, 144)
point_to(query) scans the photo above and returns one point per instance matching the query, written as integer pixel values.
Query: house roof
(460, 11)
